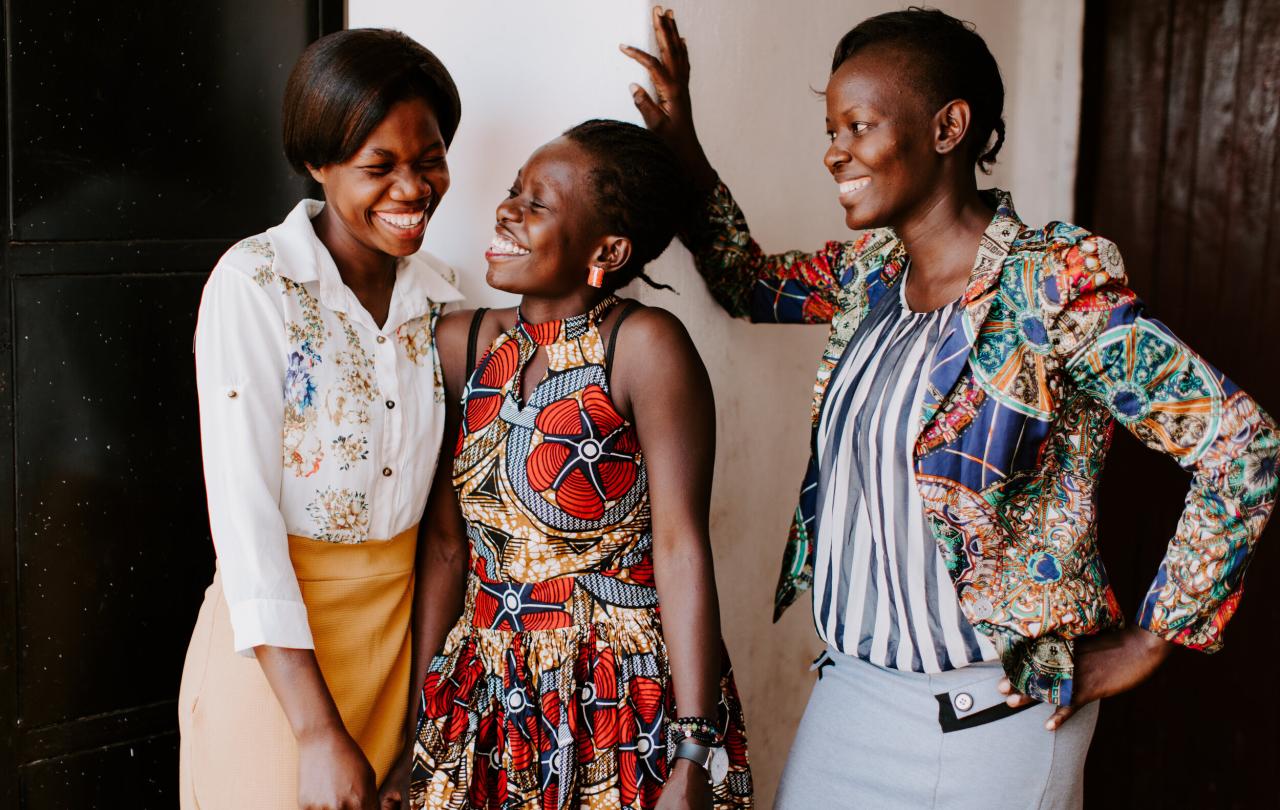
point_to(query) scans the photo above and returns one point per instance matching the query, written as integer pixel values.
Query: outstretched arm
(791, 287)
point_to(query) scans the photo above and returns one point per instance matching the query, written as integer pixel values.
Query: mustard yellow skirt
(237, 751)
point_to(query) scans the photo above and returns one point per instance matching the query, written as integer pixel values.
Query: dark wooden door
(1180, 166)
(142, 140)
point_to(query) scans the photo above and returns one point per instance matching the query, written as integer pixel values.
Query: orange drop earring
(596, 277)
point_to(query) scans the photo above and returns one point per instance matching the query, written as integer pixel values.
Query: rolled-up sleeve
(240, 370)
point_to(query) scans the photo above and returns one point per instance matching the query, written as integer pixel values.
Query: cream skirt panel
(237, 751)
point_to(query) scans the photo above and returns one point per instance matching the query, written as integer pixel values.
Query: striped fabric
(881, 590)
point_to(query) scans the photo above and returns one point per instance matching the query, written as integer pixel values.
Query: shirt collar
(303, 258)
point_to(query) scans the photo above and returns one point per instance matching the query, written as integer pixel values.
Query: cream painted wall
(526, 71)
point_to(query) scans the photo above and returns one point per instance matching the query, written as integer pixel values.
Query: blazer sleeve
(791, 287)
(240, 378)
(1173, 401)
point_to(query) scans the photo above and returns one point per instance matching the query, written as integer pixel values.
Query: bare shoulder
(652, 344)
(451, 331)
(652, 328)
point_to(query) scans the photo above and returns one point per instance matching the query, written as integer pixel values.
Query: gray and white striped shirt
(881, 590)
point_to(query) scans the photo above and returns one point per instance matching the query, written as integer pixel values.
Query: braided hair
(951, 62)
(640, 191)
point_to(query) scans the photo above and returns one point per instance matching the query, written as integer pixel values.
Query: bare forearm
(438, 601)
(690, 622)
(299, 685)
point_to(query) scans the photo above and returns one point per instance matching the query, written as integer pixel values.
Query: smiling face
(381, 199)
(547, 233)
(882, 154)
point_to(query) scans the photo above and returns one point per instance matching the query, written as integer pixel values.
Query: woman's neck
(942, 235)
(370, 274)
(537, 309)
(361, 269)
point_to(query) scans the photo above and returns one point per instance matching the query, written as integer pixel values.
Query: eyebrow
(387, 153)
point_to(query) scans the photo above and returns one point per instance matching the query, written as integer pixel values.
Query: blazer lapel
(953, 355)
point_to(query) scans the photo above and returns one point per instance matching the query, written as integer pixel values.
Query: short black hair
(345, 83)
(640, 190)
(951, 61)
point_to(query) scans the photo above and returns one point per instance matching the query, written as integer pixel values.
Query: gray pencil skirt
(880, 738)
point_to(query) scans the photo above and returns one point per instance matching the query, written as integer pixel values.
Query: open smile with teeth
(405, 222)
(853, 186)
(502, 246)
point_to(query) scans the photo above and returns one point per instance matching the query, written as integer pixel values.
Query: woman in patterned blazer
(963, 408)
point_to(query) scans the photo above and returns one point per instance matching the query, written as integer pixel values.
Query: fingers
(662, 33)
(390, 798)
(1013, 698)
(676, 46)
(649, 110)
(1060, 716)
(657, 71)
(1017, 700)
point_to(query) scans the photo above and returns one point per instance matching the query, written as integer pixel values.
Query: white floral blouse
(313, 421)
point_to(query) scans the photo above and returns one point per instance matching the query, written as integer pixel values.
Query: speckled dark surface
(148, 120)
(144, 140)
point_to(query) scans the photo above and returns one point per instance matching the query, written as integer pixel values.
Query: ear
(316, 174)
(612, 253)
(950, 125)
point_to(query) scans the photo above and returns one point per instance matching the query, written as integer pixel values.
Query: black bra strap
(630, 307)
(471, 338)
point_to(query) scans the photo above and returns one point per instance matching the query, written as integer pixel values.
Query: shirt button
(382, 339)
(386, 471)
(391, 403)
(964, 702)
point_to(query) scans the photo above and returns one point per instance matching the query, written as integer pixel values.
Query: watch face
(718, 765)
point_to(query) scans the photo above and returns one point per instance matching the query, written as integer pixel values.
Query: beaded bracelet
(701, 729)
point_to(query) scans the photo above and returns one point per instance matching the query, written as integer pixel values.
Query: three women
(962, 411)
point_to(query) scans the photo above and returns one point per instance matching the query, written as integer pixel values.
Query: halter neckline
(570, 328)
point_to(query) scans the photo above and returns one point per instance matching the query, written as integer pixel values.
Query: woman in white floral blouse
(321, 411)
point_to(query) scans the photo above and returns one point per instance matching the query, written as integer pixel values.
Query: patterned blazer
(1047, 352)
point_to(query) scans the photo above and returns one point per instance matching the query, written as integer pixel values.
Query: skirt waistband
(316, 560)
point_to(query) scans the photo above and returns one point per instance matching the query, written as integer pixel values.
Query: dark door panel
(112, 529)
(133, 774)
(142, 139)
(1180, 166)
(151, 119)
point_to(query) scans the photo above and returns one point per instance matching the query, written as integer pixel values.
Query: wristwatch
(711, 758)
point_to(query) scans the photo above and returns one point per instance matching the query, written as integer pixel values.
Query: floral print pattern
(330, 388)
(341, 515)
(350, 449)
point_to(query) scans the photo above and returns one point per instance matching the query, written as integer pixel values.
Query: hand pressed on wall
(1105, 665)
(670, 117)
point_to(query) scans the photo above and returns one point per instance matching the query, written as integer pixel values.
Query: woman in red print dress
(583, 475)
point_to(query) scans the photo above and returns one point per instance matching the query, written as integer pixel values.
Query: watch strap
(695, 752)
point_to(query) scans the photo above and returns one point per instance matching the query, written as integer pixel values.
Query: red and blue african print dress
(553, 690)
